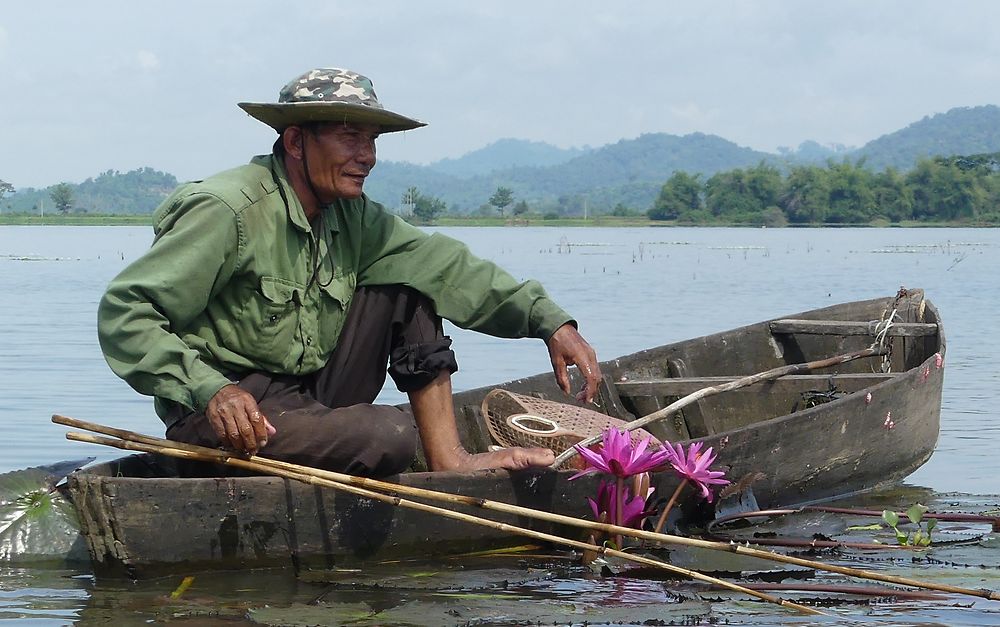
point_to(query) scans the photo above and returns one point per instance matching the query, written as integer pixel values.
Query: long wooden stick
(531, 513)
(767, 375)
(256, 465)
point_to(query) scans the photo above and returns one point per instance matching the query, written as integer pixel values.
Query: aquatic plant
(634, 509)
(617, 456)
(919, 537)
(692, 467)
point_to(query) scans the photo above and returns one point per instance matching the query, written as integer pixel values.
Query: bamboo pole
(767, 375)
(312, 479)
(457, 499)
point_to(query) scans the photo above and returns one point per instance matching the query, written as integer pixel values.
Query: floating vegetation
(37, 258)
(566, 246)
(927, 248)
(737, 247)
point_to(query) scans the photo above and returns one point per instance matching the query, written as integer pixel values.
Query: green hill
(960, 131)
(112, 192)
(630, 172)
(506, 153)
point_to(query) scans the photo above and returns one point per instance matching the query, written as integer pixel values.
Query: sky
(87, 87)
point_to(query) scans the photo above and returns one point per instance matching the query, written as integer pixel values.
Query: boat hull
(140, 520)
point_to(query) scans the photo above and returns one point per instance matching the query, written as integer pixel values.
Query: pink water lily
(633, 507)
(617, 456)
(694, 466)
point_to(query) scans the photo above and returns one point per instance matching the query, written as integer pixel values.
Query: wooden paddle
(271, 466)
(767, 375)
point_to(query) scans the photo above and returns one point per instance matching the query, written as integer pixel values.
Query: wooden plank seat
(682, 386)
(851, 327)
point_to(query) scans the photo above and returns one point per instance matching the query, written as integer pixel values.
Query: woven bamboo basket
(517, 420)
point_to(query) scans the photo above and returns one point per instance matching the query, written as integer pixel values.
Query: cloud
(147, 60)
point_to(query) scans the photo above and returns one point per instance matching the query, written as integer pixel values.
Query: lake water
(630, 288)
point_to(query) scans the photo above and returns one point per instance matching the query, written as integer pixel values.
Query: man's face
(340, 156)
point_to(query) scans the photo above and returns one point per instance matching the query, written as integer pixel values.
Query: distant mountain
(811, 151)
(630, 171)
(960, 131)
(506, 153)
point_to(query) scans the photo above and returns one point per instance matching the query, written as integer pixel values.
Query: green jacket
(238, 280)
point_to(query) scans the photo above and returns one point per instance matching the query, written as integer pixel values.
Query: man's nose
(367, 153)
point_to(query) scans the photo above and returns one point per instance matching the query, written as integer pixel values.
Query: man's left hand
(568, 348)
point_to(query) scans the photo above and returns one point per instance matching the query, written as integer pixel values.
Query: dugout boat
(796, 439)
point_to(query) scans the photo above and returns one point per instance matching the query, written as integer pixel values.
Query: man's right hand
(238, 421)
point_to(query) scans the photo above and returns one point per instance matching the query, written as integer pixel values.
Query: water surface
(629, 288)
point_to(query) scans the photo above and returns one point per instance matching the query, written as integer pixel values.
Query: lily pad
(37, 524)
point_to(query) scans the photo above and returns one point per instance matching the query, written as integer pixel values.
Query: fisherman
(275, 294)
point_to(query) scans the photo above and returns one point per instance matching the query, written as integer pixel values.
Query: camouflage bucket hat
(328, 95)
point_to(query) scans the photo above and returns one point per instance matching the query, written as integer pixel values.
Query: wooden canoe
(805, 438)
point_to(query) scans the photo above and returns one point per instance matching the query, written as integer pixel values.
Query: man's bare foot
(506, 458)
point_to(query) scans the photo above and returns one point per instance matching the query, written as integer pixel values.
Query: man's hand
(568, 348)
(237, 420)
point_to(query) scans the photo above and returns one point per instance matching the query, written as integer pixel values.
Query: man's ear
(292, 138)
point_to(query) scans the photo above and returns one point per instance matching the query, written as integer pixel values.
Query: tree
(427, 208)
(806, 195)
(943, 191)
(741, 195)
(5, 188)
(893, 197)
(680, 196)
(520, 208)
(62, 197)
(850, 190)
(621, 210)
(501, 198)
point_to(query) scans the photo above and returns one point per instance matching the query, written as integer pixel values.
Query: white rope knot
(880, 329)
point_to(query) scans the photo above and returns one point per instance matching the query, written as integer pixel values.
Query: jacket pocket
(341, 290)
(336, 299)
(276, 318)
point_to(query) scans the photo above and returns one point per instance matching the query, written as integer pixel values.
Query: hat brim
(282, 115)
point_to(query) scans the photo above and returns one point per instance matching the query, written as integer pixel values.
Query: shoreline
(600, 221)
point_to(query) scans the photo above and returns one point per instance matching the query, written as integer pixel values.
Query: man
(273, 296)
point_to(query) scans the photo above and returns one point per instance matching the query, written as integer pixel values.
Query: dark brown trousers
(326, 419)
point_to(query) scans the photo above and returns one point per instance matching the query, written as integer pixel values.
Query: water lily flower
(633, 507)
(694, 465)
(617, 456)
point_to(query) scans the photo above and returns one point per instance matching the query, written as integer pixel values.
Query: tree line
(111, 192)
(963, 189)
(956, 189)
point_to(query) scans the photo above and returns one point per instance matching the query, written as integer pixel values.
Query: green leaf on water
(890, 517)
(916, 513)
(36, 522)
